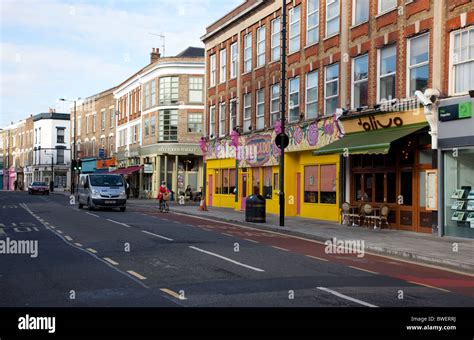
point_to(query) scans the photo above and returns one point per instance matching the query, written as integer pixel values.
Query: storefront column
(157, 173)
(175, 177)
(166, 170)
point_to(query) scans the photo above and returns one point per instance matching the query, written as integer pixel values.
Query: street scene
(238, 153)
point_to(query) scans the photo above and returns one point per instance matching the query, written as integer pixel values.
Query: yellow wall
(223, 201)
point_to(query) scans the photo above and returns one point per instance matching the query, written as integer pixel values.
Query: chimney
(154, 55)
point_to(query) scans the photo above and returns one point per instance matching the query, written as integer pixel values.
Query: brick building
(160, 119)
(357, 132)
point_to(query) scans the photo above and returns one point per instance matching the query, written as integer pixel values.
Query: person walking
(163, 197)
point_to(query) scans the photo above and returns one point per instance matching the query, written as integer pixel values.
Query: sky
(51, 49)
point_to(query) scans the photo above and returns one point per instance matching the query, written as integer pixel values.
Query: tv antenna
(163, 38)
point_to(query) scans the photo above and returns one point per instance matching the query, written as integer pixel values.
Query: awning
(127, 171)
(373, 142)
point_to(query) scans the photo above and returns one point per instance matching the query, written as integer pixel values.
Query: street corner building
(358, 131)
(148, 127)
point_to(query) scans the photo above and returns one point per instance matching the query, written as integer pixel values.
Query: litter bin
(255, 209)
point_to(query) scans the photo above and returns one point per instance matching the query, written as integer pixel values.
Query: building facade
(353, 68)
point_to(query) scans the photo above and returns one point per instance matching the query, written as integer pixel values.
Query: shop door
(406, 201)
(211, 190)
(298, 193)
(243, 191)
(425, 217)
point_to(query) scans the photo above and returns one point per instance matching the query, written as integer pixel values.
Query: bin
(255, 209)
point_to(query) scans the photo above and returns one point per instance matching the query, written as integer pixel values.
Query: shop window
(422, 191)
(225, 181)
(407, 153)
(368, 186)
(267, 182)
(356, 161)
(391, 187)
(358, 186)
(367, 161)
(425, 156)
(390, 160)
(328, 184)
(232, 181)
(406, 187)
(311, 184)
(275, 180)
(379, 187)
(218, 183)
(256, 181)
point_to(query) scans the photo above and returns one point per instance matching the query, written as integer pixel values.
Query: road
(145, 258)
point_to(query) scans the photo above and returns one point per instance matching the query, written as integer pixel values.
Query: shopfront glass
(459, 192)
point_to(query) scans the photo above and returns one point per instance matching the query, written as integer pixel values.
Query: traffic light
(73, 165)
(79, 165)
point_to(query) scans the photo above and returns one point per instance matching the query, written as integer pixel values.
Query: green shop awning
(373, 142)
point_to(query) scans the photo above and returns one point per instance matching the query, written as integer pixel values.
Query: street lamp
(74, 154)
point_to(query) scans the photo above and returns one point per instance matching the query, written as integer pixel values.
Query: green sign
(455, 111)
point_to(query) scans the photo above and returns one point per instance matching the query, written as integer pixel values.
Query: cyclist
(163, 197)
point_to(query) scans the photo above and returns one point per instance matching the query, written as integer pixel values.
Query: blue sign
(101, 153)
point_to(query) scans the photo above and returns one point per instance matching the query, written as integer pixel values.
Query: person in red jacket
(163, 196)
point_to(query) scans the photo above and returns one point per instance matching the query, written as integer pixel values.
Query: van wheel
(81, 205)
(89, 206)
(122, 209)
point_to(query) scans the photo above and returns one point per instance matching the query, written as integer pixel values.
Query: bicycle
(164, 206)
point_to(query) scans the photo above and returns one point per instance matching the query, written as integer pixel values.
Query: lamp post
(282, 116)
(74, 155)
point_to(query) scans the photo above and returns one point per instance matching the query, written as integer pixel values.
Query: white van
(102, 191)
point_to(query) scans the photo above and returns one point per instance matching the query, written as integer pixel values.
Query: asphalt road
(145, 258)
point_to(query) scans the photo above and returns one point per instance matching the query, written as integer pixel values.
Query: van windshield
(106, 181)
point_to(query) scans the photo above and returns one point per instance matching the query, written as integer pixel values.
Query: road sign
(282, 140)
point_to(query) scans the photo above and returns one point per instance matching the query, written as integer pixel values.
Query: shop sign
(148, 168)
(455, 111)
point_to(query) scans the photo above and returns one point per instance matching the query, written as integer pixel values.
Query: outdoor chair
(348, 218)
(383, 217)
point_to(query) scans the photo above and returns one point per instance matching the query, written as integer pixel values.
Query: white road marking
(346, 297)
(163, 237)
(131, 272)
(317, 258)
(78, 244)
(88, 213)
(109, 260)
(226, 259)
(125, 225)
(92, 250)
(227, 234)
(364, 270)
(280, 248)
(428, 286)
(69, 238)
(59, 231)
(253, 241)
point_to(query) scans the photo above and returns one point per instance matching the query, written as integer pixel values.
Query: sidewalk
(417, 247)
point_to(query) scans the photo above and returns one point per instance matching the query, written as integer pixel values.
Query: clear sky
(53, 49)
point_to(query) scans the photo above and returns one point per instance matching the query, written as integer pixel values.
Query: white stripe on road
(125, 225)
(280, 248)
(131, 272)
(92, 250)
(227, 259)
(78, 244)
(346, 297)
(88, 213)
(109, 260)
(69, 238)
(163, 237)
(253, 241)
(227, 234)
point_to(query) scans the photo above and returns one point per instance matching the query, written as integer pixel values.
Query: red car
(38, 187)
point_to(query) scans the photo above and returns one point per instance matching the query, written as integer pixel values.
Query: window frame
(222, 112)
(246, 107)
(260, 105)
(223, 66)
(315, 27)
(291, 35)
(234, 60)
(379, 69)
(212, 70)
(273, 99)
(356, 82)
(338, 16)
(165, 90)
(326, 82)
(379, 7)
(289, 98)
(212, 122)
(248, 61)
(412, 67)
(261, 42)
(276, 47)
(453, 63)
(195, 122)
(233, 118)
(317, 94)
(354, 11)
(161, 126)
(194, 87)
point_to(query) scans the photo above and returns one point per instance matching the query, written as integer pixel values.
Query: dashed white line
(346, 297)
(88, 213)
(253, 241)
(317, 258)
(141, 277)
(364, 270)
(227, 234)
(59, 231)
(428, 286)
(156, 235)
(69, 238)
(78, 244)
(109, 260)
(93, 251)
(284, 249)
(227, 259)
(125, 225)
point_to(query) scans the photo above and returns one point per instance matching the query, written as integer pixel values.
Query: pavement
(448, 252)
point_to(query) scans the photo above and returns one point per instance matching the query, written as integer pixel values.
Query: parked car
(38, 187)
(102, 191)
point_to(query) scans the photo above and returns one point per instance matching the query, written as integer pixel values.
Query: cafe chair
(369, 218)
(348, 218)
(383, 218)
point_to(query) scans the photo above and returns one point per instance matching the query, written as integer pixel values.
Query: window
(387, 5)
(213, 70)
(360, 74)
(311, 184)
(169, 90)
(234, 62)
(87, 123)
(147, 95)
(387, 72)
(112, 118)
(274, 104)
(233, 114)
(256, 181)
(332, 17)
(267, 182)
(60, 156)
(94, 118)
(312, 22)
(153, 125)
(232, 185)
(294, 96)
(225, 182)
(79, 126)
(168, 125)
(295, 30)
(102, 120)
(463, 60)
(312, 94)
(247, 111)
(261, 46)
(153, 92)
(195, 89)
(111, 145)
(328, 184)
(223, 66)
(135, 130)
(418, 60)
(275, 40)
(331, 89)
(212, 121)
(60, 135)
(248, 52)
(361, 11)
(195, 123)
(147, 127)
(260, 109)
(221, 119)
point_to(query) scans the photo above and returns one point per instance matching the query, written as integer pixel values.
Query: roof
(192, 52)
(53, 115)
